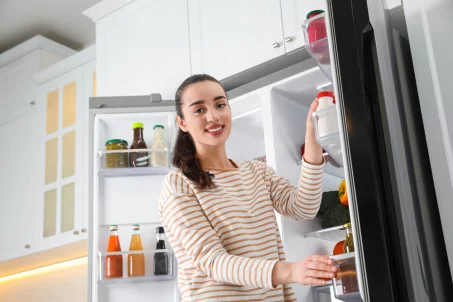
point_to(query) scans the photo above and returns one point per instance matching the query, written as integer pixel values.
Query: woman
(219, 215)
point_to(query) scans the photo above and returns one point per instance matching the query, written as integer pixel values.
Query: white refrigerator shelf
(334, 234)
(149, 274)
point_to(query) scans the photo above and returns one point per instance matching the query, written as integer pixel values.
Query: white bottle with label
(159, 158)
(326, 113)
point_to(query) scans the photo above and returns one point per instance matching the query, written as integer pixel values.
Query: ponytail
(184, 158)
(184, 152)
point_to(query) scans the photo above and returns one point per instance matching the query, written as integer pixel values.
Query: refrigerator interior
(127, 196)
(271, 121)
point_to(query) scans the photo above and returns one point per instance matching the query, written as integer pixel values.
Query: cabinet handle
(289, 39)
(27, 246)
(276, 45)
(76, 232)
(84, 230)
(32, 103)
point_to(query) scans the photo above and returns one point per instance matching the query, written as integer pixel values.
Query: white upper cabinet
(294, 13)
(17, 66)
(227, 37)
(142, 46)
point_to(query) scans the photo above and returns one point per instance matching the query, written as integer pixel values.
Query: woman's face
(207, 115)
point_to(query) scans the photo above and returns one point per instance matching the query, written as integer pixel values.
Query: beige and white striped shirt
(226, 240)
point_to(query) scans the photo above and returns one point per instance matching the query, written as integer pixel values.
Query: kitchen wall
(62, 285)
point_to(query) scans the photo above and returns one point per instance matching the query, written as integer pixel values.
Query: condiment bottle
(114, 263)
(136, 262)
(138, 159)
(159, 158)
(327, 119)
(160, 259)
(349, 242)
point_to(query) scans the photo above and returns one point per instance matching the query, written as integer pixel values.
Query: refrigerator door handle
(367, 59)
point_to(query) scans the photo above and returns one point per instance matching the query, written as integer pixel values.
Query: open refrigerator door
(124, 207)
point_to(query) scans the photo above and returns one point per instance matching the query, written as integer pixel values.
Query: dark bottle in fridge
(161, 258)
(138, 159)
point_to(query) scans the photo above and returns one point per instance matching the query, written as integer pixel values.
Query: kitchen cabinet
(17, 66)
(142, 46)
(227, 37)
(19, 131)
(64, 92)
(294, 13)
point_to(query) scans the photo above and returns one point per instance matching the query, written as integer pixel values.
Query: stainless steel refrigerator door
(400, 253)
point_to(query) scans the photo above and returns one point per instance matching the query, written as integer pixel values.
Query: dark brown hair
(184, 153)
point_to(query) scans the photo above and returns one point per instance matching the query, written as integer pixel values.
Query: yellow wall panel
(69, 104)
(50, 213)
(52, 112)
(94, 84)
(51, 160)
(67, 207)
(69, 145)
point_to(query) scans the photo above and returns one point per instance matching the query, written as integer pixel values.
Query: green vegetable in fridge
(332, 212)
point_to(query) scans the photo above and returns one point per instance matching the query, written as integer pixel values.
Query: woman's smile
(215, 130)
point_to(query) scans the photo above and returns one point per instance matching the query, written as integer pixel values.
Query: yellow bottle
(136, 262)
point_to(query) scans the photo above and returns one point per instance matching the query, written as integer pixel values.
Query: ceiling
(58, 20)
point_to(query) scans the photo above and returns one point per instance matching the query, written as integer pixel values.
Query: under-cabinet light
(46, 269)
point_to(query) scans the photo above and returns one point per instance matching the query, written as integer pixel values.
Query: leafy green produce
(332, 212)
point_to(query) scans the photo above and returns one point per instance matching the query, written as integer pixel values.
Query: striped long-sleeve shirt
(226, 240)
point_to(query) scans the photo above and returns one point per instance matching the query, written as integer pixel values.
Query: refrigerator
(379, 148)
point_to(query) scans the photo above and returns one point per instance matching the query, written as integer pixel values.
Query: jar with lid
(159, 158)
(316, 33)
(116, 159)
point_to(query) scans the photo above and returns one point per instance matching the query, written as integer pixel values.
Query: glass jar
(116, 160)
(349, 241)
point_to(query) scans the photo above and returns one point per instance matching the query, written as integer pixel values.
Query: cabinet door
(294, 13)
(62, 101)
(143, 48)
(17, 87)
(228, 37)
(19, 207)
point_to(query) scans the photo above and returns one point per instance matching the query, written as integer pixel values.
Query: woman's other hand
(313, 151)
(310, 271)
(313, 269)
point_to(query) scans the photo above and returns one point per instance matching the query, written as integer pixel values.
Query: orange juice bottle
(114, 263)
(136, 262)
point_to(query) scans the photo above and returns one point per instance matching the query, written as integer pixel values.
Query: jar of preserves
(117, 159)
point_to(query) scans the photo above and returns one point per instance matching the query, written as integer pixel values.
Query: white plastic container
(327, 122)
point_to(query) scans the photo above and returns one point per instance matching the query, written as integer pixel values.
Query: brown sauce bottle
(138, 159)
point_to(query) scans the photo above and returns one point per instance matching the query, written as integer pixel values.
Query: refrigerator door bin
(318, 49)
(149, 276)
(109, 159)
(321, 293)
(327, 133)
(345, 285)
